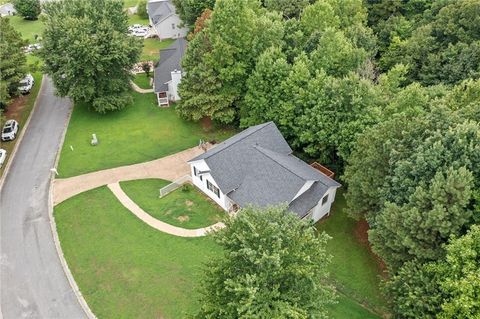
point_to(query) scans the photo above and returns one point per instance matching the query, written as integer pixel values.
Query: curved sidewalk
(139, 89)
(169, 168)
(129, 204)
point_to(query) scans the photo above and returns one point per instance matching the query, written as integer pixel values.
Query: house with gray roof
(164, 20)
(168, 73)
(256, 167)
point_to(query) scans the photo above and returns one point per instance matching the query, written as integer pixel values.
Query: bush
(186, 188)
(142, 9)
(29, 9)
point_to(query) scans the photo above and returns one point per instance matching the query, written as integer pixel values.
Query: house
(164, 20)
(7, 9)
(168, 73)
(256, 167)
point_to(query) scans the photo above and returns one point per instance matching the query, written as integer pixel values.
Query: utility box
(94, 141)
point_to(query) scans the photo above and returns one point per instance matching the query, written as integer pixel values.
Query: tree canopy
(88, 53)
(273, 266)
(29, 9)
(12, 61)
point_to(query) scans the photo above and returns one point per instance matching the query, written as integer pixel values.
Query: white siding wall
(321, 210)
(173, 85)
(169, 28)
(201, 165)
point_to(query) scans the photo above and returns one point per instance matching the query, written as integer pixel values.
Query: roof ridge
(260, 149)
(261, 126)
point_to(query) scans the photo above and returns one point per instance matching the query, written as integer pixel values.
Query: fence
(174, 185)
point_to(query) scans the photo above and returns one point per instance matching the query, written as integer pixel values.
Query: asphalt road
(33, 283)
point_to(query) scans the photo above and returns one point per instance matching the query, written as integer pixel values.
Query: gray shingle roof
(170, 60)
(257, 167)
(160, 10)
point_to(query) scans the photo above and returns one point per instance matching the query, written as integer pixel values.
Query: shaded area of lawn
(142, 81)
(188, 209)
(354, 269)
(124, 268)
(139, 133)
(27, 28)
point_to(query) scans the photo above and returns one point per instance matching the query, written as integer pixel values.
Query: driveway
(33, 283)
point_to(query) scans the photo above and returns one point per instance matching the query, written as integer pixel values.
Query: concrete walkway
(155, 223)
(169, 168)
(139, 89)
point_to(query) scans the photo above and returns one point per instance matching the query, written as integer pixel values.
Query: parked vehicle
(10, 130)
(26, 84)
(32, 47)
(140, 32)
(3, 156)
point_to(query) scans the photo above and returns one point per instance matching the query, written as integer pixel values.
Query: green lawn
(129, 3)
(139, 133)
(347, 308)
(136, 19)
(27, 28)
(190, 209)
(354, 269)
(151, 48)
(142, 80)
(124, 268)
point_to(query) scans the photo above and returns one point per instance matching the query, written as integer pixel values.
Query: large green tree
(190, 10)
(88, 53)
(233, 38)
(29, 9)
(12, 61)
(273, 266)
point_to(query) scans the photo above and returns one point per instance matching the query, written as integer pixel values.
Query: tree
(88, 53)
(446, 288)
(190, 10)
(29, 9)
(235, 35)
(289, 8)
(12, 61)
(274, 266)
(418, 229)
(142, 9)
(146, 68)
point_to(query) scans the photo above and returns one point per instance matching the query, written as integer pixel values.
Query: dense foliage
(29, 9)
(385, 92)
(273, 266)
(12, 61)
(190, 10)
(88, 53)
(142, 9)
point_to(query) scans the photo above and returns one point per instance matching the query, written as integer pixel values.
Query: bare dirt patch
(206, 123)
(183, 218)
(188, 203)
(15, 109)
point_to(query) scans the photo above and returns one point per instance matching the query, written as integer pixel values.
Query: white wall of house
(169, 28)
(173, 85)
(321, 210)
(201, 182)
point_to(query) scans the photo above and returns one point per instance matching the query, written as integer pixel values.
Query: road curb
(20, 137)
(86, 309)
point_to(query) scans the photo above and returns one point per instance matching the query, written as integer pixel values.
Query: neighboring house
(256, 167)
(168, 73)
(7, 10)
(164, 20)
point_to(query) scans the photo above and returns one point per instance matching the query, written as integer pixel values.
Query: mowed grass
(124, 268)
(348, 308)
(354, 269)
(151, 49)
(27, 28)
(142, 81)
(188, 209)
(138, 133)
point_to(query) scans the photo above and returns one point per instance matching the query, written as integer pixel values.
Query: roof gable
(170, 60)
(160, 10)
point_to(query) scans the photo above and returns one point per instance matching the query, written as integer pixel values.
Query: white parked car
(32, 47)
(3, 156)
(140, 32)
(10, 130)
(26, 84)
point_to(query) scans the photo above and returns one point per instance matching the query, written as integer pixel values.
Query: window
(213, 188)
(194, 171)
(324, 199)
(173, 26)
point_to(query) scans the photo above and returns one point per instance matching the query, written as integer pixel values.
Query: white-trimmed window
(213, 188)
(195, 173)
(324, 199)
(173, 26)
